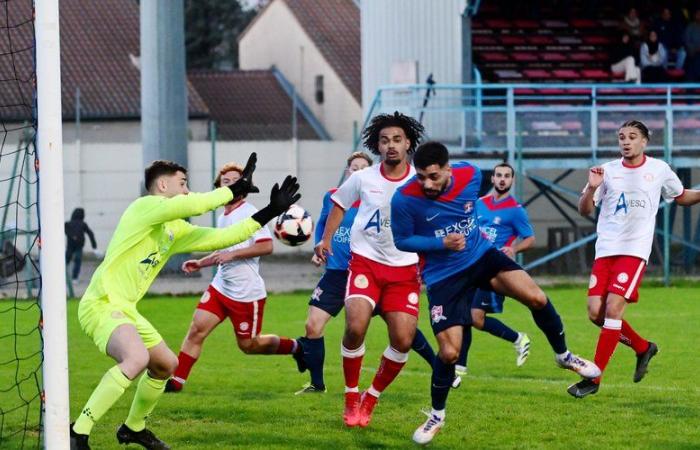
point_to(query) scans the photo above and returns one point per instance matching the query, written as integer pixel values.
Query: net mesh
(20, 313)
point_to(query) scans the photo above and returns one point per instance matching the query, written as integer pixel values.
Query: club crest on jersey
(469, 207)
(623, 277)
(244, 326)
(497, 220)
(413, 298)
(436, 314)
(205, 297)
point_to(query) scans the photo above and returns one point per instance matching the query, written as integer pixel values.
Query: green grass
(237, 401)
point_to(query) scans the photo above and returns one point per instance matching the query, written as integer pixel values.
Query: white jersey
(240, 280)
(371, 235)
(629, 200)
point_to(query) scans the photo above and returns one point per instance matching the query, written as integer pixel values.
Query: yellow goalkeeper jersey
(149, 232)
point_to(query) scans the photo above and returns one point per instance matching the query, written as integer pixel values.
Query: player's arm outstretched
(195, 204)
(205, 239)
(586, 203)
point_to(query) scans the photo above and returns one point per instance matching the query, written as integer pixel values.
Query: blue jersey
(341, 239)
(502, 221)
(419, 224)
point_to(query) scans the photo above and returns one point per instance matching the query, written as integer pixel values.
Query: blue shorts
(329, 294)
(450, 299)
(488, 300)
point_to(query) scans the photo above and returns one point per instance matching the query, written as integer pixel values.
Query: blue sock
(441, 383)
(314, 355)
(466, 343)
(500, 329)
(549, 322)
(422, 347)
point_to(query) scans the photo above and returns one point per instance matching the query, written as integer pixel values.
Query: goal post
(51, 260)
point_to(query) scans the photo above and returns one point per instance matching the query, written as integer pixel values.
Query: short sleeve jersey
(240, 280)
(629, 200)
(371, 234)
(502, 221)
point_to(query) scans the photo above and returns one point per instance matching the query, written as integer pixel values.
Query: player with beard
(379, 275)
(504, 223)
(627, 191)
(434, 215)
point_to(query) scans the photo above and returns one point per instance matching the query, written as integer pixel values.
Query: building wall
(396, 31)
(277, 38)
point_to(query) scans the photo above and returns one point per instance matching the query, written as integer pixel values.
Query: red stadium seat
(582, 56)
(595, 74)
(493, 56)
(566, 74)
(483, 40)
(509, 39)
(524, 57)
(526, 24)
(553, 57)
(583, 23)
(597, 40)
(540, 40)
(498, 23)
(537, 73)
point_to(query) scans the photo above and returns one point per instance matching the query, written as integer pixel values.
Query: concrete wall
(277, 38)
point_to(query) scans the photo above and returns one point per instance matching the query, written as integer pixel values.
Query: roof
(99, 53)
(249, 105)
(334, 26)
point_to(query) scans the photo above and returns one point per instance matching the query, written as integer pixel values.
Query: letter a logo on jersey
(375, 221)
(621, 204)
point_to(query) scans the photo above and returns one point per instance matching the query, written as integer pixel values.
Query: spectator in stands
(691, 38)
(632, 25)
(670, 31)
(622, 59)
(653, 60)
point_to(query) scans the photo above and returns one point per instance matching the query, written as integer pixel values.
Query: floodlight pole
(51, 260)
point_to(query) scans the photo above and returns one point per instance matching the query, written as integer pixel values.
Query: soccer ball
(294, 226)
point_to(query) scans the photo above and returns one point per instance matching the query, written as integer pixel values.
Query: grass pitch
(236, 401)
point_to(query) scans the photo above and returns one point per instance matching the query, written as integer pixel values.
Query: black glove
(244, 185)
(281, 198)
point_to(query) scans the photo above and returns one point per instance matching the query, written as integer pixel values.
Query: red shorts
(389, 288)
(619, 275)
(246, 317)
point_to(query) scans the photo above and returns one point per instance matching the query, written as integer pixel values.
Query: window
(318, 89)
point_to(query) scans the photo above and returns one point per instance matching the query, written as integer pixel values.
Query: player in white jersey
(379, 275)
(627, 191)
(237, 292)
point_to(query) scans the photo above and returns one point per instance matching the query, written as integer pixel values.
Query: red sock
(286, 346)
(391, 364)
(638, 343)
(352, 364)
(184, 366)
(607, 341)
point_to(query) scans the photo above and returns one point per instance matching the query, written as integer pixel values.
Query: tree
(211, 32)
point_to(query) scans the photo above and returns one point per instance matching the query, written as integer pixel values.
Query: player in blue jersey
(434, 214)
(328, 298)
(503, 221)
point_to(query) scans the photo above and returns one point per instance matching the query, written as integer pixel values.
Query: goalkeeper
(149, 232)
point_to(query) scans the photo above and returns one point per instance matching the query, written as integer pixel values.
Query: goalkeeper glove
(281, 198)
(244, 185)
